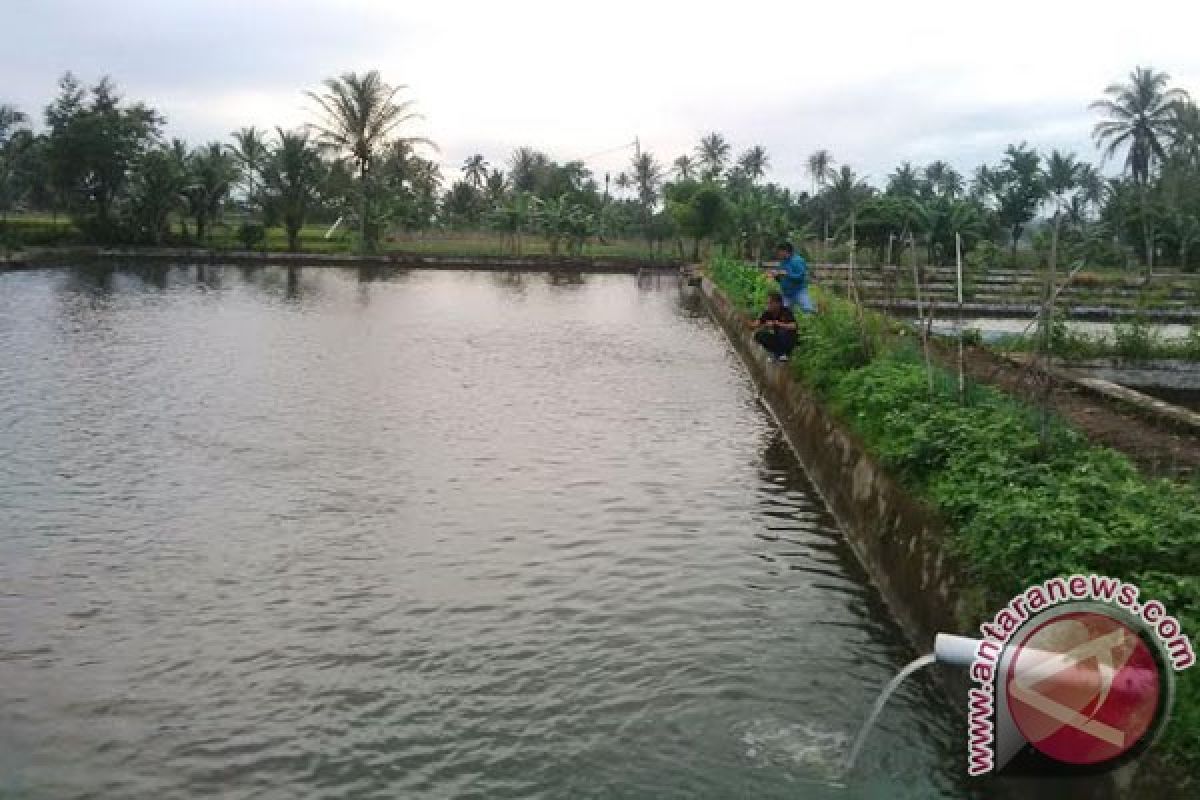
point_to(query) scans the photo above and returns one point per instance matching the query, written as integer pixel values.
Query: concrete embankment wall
(900, 540)
(1162, 373)
(903, 544)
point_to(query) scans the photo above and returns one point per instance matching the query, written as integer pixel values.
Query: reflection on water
(378, 533)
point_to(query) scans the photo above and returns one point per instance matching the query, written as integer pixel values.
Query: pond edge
(902, 543)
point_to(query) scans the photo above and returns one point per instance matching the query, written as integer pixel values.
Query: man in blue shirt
(793, 278)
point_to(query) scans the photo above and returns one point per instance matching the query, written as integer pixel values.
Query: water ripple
(339, 534)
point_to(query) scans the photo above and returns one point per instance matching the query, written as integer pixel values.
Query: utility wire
(620, 147)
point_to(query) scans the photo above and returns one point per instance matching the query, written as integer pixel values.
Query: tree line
(106, 163)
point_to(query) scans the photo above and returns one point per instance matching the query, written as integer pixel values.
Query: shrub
(1137, 339)
(986, 255)
(1191, 345)
(834, 341)
(17, 233)
(251, 235)
(1020, 509)
(1069, 343)
(746, 286)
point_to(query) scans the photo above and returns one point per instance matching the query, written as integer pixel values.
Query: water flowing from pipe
(877, 709)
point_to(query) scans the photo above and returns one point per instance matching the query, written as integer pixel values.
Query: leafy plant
(1136, 339)
(1019, 510)
(745, 286)
(251, 235)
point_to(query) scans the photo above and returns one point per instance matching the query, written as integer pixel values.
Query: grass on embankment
(1135, 340)
(1018, 512)
(44, 230)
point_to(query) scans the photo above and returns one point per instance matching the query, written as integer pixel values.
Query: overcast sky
(876, 83)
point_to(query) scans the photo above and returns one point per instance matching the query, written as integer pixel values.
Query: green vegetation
(358, 119)
(38, 230)
(1020, 508)
(1135, 340)
(108, 166)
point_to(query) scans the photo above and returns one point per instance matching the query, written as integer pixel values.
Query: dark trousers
(777, 343)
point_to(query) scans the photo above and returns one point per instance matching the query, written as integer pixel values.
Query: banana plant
(514, 218)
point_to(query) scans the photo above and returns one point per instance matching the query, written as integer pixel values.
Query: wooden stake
(962, 366)
(1046, 333)
(850, 294)
(912, 246)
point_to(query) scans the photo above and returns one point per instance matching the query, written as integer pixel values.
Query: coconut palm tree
(904, 182)
(684, 168)
(754, 162)
(1185, 138)
(211, 173)
(713, 154)
(1139, 118)
(820, 169)
(848, 191)
(495, 187)
(1092, 186)
(1062, 175)
(647, 175)
(983, 184)
(358, 115)
(1060, 179)
(179, 151)
(624, 182)
(12, 148)
(292, 179)
(249, 150)
(573, 175)
(475, 171)
(1018, 187)
(523, 167)
(11, 118)
(944, 179)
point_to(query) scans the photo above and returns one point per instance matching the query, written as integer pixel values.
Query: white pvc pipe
(956, 651)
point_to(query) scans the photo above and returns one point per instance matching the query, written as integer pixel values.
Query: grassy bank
(1097, 288)
(1135, 340)
(1019, 509)
(43, 230)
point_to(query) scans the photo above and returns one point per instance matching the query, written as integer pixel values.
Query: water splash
(805, 745)
(884, 696)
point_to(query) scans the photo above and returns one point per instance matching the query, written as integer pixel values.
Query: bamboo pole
(962, 366)
(850, 293)
(912, 251)
(924, 329)
(1046, 332)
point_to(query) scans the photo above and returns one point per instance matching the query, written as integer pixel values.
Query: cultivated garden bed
(1019, 505)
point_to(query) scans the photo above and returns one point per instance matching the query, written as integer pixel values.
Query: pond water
(1184, 398)
(994, 328)
(366, 533)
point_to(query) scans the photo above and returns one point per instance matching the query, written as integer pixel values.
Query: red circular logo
(1083, 688)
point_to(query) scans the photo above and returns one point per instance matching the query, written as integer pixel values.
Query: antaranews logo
(1074, 674)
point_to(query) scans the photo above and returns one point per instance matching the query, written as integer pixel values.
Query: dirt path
(1154, 448)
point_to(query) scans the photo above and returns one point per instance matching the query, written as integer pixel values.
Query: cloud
(876, 85)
